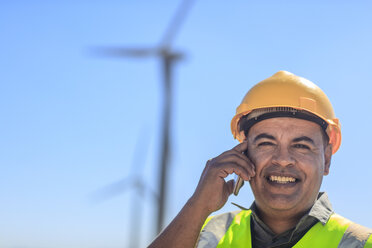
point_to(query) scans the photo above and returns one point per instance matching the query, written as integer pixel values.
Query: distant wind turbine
(168, 56)
(133, 182)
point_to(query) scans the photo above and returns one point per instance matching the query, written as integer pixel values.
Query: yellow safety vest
(233, 229)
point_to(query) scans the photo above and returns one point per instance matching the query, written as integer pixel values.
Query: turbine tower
(168, 57)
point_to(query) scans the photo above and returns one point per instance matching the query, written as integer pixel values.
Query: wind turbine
(168, 57)
(134, 182)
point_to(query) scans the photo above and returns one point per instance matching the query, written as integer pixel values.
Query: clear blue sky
(70, 123)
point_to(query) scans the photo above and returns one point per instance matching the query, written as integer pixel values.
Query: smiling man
(287, 132)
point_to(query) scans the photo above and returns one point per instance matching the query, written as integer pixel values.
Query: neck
(280, 221)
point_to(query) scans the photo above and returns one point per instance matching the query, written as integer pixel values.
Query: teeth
(283, 180)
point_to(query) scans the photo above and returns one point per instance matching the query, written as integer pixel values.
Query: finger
(244, 163)
(239, 159)
(242, 147)
(236, 154)
(225, 169)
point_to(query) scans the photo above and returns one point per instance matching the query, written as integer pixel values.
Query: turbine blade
(135, 181)
(176, 23)
(120, 52)
(112, 190)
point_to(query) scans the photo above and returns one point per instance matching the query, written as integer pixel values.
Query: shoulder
(355, 235)
(215, 227)
(221, 220)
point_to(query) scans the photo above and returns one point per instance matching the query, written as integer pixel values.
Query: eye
(265, 143)
(301, 146)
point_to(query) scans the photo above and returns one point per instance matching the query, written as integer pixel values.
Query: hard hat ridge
(257, 115)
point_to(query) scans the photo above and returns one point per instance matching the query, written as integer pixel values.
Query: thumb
(230, 186)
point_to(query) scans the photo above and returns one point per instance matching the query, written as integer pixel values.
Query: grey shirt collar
(322, 208)
(264, 237)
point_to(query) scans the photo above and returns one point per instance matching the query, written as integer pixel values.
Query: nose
(282, 157)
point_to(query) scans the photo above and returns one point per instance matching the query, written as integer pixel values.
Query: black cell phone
(238, 181)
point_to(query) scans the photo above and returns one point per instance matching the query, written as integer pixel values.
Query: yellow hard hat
(286, 90)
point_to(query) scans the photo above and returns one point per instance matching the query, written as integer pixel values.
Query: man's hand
(210, 195)
(213, 191)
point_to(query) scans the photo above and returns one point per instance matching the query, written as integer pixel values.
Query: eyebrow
(268, 136)
(304, 138)
(263, 136)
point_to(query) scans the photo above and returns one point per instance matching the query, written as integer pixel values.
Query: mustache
(280, 171)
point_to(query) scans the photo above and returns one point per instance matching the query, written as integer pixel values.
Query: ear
(327, 159)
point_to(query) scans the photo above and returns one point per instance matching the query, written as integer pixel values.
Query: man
(288, 133)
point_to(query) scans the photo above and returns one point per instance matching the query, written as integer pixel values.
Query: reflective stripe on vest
(233, 230)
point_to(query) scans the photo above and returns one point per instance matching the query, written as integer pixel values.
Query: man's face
(290, 158)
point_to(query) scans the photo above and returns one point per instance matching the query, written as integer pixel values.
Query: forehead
(286, 127)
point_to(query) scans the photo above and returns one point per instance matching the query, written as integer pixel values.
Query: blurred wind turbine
(133, 182)
(168, 56)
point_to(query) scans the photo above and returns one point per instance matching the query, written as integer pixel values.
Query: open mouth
(289, 180)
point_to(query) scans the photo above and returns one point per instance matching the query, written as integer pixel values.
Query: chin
(281, 202)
